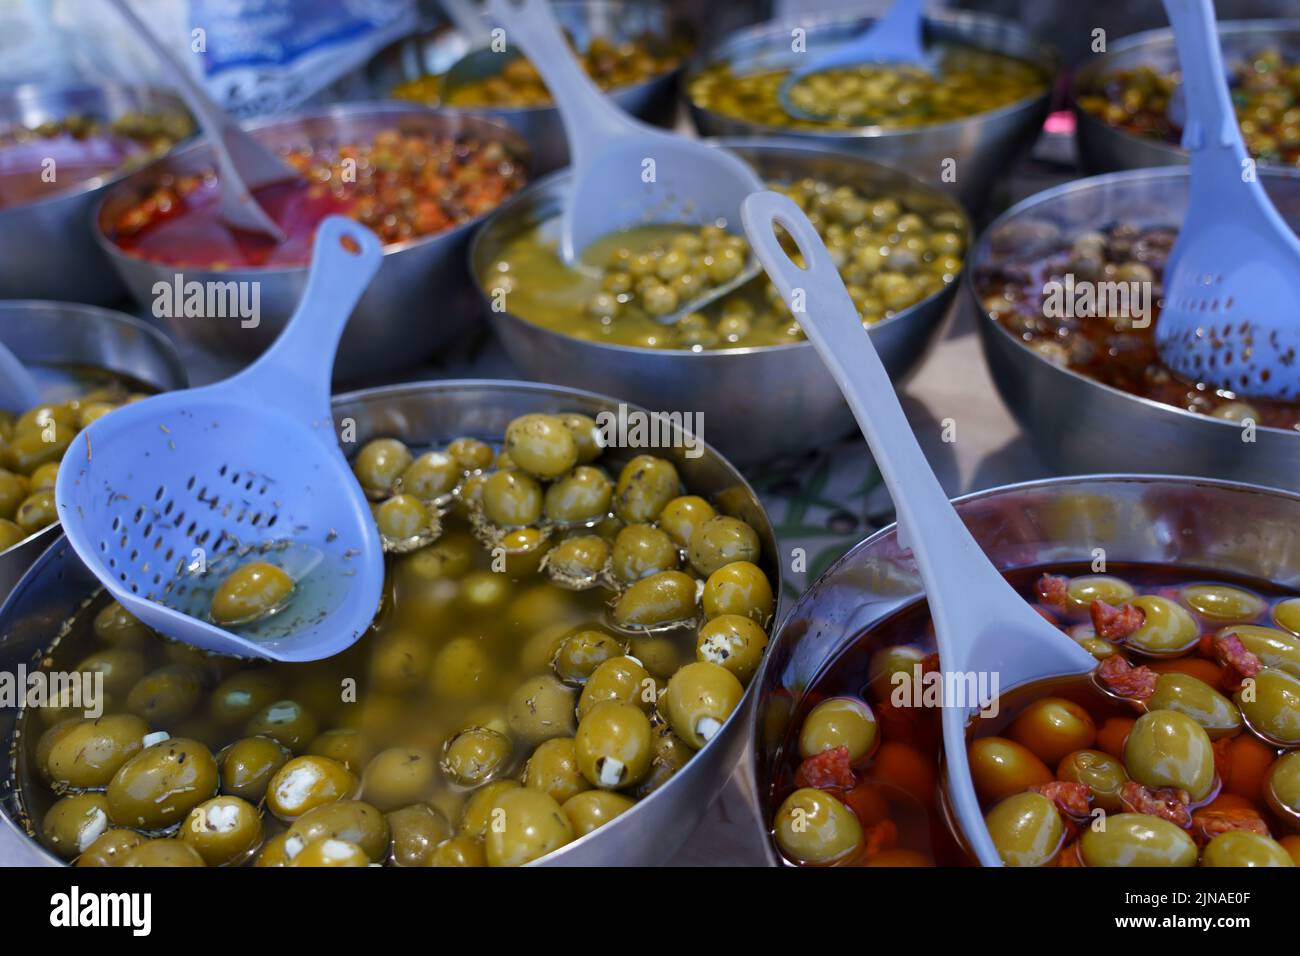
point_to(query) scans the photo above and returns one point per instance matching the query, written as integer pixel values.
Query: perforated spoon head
(982, 626)
(18, 390)
(1231, 310)
(165, 497)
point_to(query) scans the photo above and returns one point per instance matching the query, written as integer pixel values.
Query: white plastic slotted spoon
(1231, 312)
(243, 164)
(626, 173)
(896, 39)
(18, 390)
(982, 625)
(468, 21)
(164, 497)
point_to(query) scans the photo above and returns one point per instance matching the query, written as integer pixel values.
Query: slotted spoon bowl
(164, 497)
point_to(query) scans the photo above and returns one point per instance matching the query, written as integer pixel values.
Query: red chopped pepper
(1116, 623)
(828, 770)
(882, 836)
(1232, 654)
(1168, 803)
(1207, 824)
(1136, 683)
(1053, 590)
(1070, 798)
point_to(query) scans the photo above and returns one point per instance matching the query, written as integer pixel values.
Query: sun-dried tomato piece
(828, 770)
(1232, 654)
(1207, 824)
(1136, 683)
(883, 836)
(1168, 803)
(1116, 623)
(1053, 590)
(1069, 856)
(1070, 798)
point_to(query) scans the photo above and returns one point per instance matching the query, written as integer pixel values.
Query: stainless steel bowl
(1102, 147)
(758, 403)
(48, 246)
(434, 51)
(425, 413)
(983, 146)
(1212, 526)
(60, 333)
(420, 300)
(1082, 426)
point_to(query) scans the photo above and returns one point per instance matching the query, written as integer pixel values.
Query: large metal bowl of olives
(58, 605)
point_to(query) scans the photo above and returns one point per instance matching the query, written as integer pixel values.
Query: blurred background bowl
(48, 246)
(1079, 425)
(432, 52)
(420, 300)
(63, 334)
(1212, 526)
(422, 414)
(983, 145)
(1104, 148)
(758, 403)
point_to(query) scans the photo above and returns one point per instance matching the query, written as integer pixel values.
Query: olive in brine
(1085, 589)
(554, 768)
(1167, 628)
(248, 764)
(1000, 767)
(224, 830)
(613, 745)
(645, 485)
(110, 847)
(739, 588)
(329, 852)
(619, 678)
(305, 783)
(839, 722)
(532, 825)
(165, 852)
(1166, 748)
(1198, 700)
(475, 755)
(355, 821)
(167, 695)
(592, 809)
(286, 721)
(720, 541)
(89, 753)
(580, 497)
(1220, 602)
(681, 516)
(512, 499)
(581, 653)
(1100, 772)
(735, 642)
(699, 699)
(1270, 702)
(251, 592)
(664, 598)
(541, 708)
(1053, 727)
(379, 464)
(414, 834)
(399, 776)
(812, 826)
(1026, 829)
(161, 784)
(1274, 648)
(1136, 839)
(430, 477)
(541, 445)
(1243, 848)
(116, 626)
(641, 550)
(75, 822)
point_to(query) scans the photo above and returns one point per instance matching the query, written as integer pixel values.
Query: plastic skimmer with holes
(166, 496)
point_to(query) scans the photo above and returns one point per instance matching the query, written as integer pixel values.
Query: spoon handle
(465, 17)
(590, 120)
(294, 374)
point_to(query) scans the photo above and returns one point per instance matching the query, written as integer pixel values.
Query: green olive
(592, 809)
(890, 661)
(839, 722)
(484, 592)
(405, 524)
(460, 851)
(812, 826)
(700, 697)
(116, 626)
(1243, 848)
(1166, 748)
(586, 433)
(353, 821)
(1100, 772)
(541, 445)
(330, 852)
(1083, 590)
(30, 450)
(110, 847)
(167, 852)
(399, 776)
(613, 745)
(400, 662)
(478, 813)
(92, 751)
(224, 830)
(1282, 788)
(683, 515)
(286, 721)
(475, 755)
(161, 784)
(1198, 700)
(1167, 628)
(36, 512)
(236, 699)
(512, 499)
(580, 497)
(1136, 839)
(344, 744)
(619, 678)
(661, 599)
(416, 832)
(1274, 648)
(471, 454)
(379, 464)
(273, 852)
(645, 485)
(578, 562)
(641, 550)
(248, 764)
(671, 754)
(1287, 615)
(581, 653)
(121, 668)
(1270, 702)
(555, 769)
(720, 541)
(735, 642)
(75, 822)
(13, 489)
(1219, 602)
(251, 592)
(10, 534)
(167, 695)
(462, 669)
(739, 588)
(307, 782)
(532, 825)
(1026, 829)
(541, 708)
(433, 475)
(660, 654)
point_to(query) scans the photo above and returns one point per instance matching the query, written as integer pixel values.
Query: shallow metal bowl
(425, 413)
(1075, 422)
(420, 300)
(758, 403)
(433, 52)
(47, 247)
(60, 333)
(1102, 147)
(983, 145)
(1211, 526)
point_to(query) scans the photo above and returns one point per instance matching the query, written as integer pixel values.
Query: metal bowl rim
(1083, 185)
(1048, 58)
(743, 142)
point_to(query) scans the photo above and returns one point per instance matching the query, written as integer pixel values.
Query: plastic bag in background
(254, 56)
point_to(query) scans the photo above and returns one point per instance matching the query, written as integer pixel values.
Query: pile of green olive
(966, 81)
(555, 642)
(890, 255)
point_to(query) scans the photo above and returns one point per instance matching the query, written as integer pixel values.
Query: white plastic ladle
(625, 172)
(468, 21)
(982, 625)
(18, 390)
(243, 164)
(1231, 313)
(896, 38)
